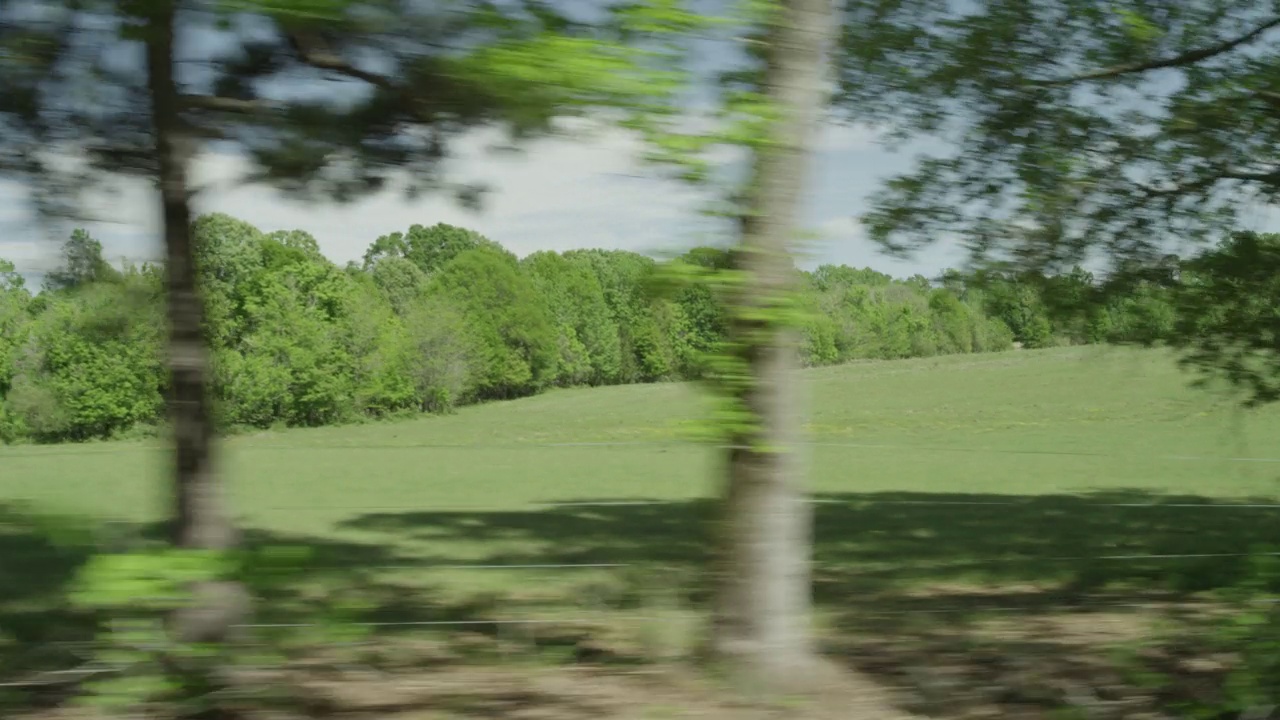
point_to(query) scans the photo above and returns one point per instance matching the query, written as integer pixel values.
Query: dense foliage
(440, 316)
(1077, 130)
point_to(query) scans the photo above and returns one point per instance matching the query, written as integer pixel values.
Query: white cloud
(835, 233)
(23, 252)
(844, 240)
(585, 189)
(833, 138)
(556, 194)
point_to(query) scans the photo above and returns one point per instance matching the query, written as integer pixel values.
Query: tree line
(441, 316)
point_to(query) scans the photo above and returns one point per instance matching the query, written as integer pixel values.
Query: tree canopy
(376, 90)
(1109, 132)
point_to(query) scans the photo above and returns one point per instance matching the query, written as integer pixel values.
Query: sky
(577, 191)
(557, 194)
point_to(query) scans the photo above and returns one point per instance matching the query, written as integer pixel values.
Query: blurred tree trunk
(760, 624)
(200, 517)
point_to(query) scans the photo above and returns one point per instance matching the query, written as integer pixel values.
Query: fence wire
(94, 668)
(91, 668)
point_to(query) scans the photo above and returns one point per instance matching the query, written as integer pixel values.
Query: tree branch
(223, 104)
(1272, 98)
(1189, 57)
(1268, 176)
(313, 51)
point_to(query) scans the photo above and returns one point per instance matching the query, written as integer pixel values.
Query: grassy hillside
(955, 494)
(1029, 422)
(555, 478)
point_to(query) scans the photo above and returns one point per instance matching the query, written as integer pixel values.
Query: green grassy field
(1027, 423)
(958, 484)
(1082, 422)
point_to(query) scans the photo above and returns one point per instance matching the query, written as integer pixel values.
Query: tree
(371, 333)
(13, 316)
(91, 365)
(761, 578)
(442, 358)
(762, 590)
(82, 263)
(228, 255)
(701, 318)
(1228, 316)
(429, 248)
(587, 336)
(399, 281)
(952, 320)
(1020, 305)
(296, 341)
(643, 321)
(1083, 131)
(507, 319)
(201, 519)
(1117, 133)
(14, 327)
(292, 361)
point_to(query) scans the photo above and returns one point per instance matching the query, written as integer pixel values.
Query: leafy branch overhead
(1228, 323)
(1119, 131)
(375, 90)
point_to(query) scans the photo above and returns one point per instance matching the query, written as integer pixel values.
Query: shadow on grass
(301, 598)
(39, 557)
(883, 563)
(1009, 605)
(880, 541)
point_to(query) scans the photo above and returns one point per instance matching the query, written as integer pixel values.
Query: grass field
(970, 488)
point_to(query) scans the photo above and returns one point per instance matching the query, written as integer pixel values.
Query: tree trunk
(760, 624)
(200, 519)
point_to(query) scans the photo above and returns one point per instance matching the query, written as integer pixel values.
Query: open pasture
(1049, 504)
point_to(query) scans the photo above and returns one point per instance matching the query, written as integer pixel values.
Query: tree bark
(761, 607)
(200, 517)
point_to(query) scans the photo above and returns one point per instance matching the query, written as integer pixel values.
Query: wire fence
(91, 668)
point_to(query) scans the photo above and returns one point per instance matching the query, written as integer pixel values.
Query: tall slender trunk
(200, 518)
(760, 623)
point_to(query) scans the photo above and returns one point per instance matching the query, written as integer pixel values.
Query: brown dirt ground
(569, 693)
(1038, 661)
